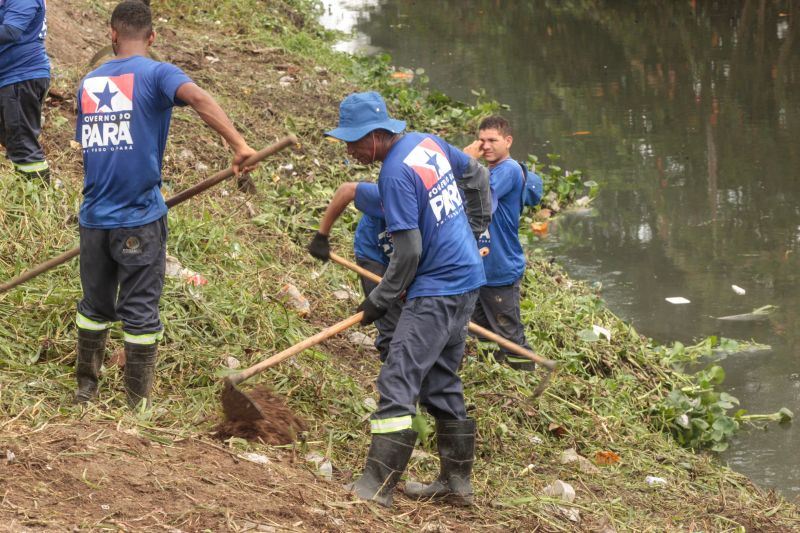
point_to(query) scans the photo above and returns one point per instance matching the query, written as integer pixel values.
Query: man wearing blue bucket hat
(436, 200)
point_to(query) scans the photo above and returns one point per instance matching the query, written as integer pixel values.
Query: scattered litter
(539, 228)
(434, 527)
(255, 458)
(361, 339)
(599, 330)
(402, 75)
(212, 59)
(117, 358)
(569, 456)
(341, 295)
(285, 81)
(606, 457)
(75, 145)
(583, 201)
(370, 404)
(654, 481)
(200, 166)
(10, 457)
(232, 362)
(316, 275)
(535, 440)
(58, 184)
(324, 466)
(174, 269)
(570, 513)
(419, 453)
(527, 470)
(556, 429)
(561, 490)
(584, 465)
(105, 507)
(287, 169)
(677, 300)
(759, 314)
(186, 154)
(582, 132)
(738, 290)
(292, 296)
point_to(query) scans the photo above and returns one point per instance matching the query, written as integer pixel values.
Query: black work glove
(371, 311)
(319, 247)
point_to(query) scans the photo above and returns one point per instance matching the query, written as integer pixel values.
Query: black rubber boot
(140, 366)
(387, 459)
(456, 442)
(91, 351)
(43, 175)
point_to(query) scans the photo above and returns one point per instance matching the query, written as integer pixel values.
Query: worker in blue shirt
(498, 306)
(124, 112)
(24, 80)
(436, 263)
(372, 246)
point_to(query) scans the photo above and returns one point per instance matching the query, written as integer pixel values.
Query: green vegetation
(609, 395)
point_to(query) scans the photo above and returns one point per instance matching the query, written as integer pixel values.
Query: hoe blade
(239, 406)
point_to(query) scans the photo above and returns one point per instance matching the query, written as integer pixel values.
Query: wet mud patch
(281, 425)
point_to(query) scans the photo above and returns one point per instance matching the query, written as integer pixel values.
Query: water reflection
(687, 113)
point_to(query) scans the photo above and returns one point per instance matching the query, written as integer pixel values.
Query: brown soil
(95, 475)
(280, 426)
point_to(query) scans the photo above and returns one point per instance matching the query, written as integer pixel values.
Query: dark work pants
(21, 123)
(388, 322)
(424, 357)
(122, 274)
(497, 310)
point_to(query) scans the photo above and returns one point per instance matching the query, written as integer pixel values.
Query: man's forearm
(402, 268)
(474, 183)
(345, 194)
(213, 115)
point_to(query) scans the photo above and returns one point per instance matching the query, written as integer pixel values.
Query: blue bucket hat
(361, 113)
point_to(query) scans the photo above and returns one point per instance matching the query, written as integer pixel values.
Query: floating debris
(677, 300)
(762, 313)
(738, 290)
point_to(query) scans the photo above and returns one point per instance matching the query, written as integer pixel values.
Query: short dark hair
(496, 122)
(132, 19)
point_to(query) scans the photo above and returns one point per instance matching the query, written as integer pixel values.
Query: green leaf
(715, 374)
(720, 447)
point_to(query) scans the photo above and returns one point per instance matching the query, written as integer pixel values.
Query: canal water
(688, 116)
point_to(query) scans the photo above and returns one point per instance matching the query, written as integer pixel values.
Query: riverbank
(271, 67)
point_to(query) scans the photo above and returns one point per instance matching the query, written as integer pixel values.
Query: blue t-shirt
(418, 190)
(372, 241)
(506, 261)
(26, 58)
(124, 110)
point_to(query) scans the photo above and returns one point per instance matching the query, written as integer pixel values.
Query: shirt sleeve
(368, 199)
(19, 14)
(79, 112)
(169, 78)
(504, 179)
(400, 204)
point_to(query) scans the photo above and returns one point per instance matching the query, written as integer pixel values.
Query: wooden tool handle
(228, 172)
(173, 200)
(297, 348)
(473, 327)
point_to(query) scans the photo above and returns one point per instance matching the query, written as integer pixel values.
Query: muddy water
(688, 115)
